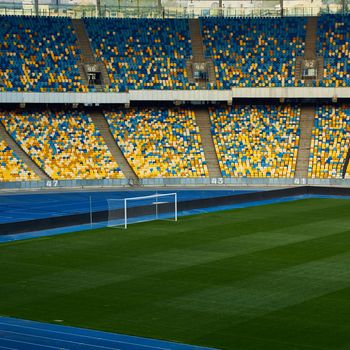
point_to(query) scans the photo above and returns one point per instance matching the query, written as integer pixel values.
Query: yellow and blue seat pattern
(38, 54)
(11, 167)
(256, 141)
(254, 52)
(159, 142)
(330, 141)
(66, 145)
(142, 53)
(333, 44)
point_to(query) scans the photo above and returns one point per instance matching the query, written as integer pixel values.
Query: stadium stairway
(102, 125)
(204, 124)
(307, 117)
(346, 164)
(21, 154)
(310, 45)
(87, 54)
(198, 55)
(310, 39)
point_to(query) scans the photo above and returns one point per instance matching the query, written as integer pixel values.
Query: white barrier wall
(173, 95)
(180, 182)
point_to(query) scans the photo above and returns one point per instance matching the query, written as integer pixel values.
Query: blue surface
(30, 335)
(22, 207)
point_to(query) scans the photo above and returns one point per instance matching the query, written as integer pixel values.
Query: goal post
(160, 206)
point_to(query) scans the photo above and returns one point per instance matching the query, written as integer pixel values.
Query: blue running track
(30, 335)
(31, 206)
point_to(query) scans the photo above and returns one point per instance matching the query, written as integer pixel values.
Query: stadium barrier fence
(142, 10)
(164, 182)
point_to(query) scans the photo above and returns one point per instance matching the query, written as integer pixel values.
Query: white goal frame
(130, 199)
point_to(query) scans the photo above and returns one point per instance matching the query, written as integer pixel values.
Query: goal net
(123, 212)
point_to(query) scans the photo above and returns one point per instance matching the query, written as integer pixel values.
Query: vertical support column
(98, 8)
(282, 9)
(36, 7)
(221, 11)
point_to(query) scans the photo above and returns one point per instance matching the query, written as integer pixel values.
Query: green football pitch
(269, 277)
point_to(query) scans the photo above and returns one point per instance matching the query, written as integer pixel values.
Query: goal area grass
(268, 277)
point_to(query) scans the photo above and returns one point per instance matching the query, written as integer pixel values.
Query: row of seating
(11, 167)
(38, 54)
(254, 52)
(42, 54)
(250, 141)
(162, 142)
(256, 141)
(142, 53)
(333, 45)
(330, 141)
(66, 145)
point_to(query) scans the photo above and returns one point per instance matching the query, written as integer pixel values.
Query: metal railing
(140, 11)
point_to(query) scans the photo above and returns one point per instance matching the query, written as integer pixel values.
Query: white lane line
(61, 340)
(87, 336)
(36, 344)
(6, 348)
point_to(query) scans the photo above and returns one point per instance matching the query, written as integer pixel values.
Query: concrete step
(310, 38)
(198, 53)
(83, 39)
(22, 154)
(307, 117)
(346, 168)
(87, 54)
(102, 125)
(204, 124)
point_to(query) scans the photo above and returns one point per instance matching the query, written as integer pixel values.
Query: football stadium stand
(159, 142)
(329, 144)
(333, 44)
(38, 54)
(256, 141)
(11, 167)
(66, 145)
(43, 54)
(142, 53)
(254, 52)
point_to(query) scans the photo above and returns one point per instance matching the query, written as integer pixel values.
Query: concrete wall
(172, 95)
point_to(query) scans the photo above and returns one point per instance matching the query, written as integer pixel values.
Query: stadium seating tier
(256, 141)
(159, 142)
(330, 141)
(38, 54)
(142, 53)
(11, 167)
(333, 35)
(254, 52)
(66, 145)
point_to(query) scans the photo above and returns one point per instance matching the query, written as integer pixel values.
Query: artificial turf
(269, 277)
